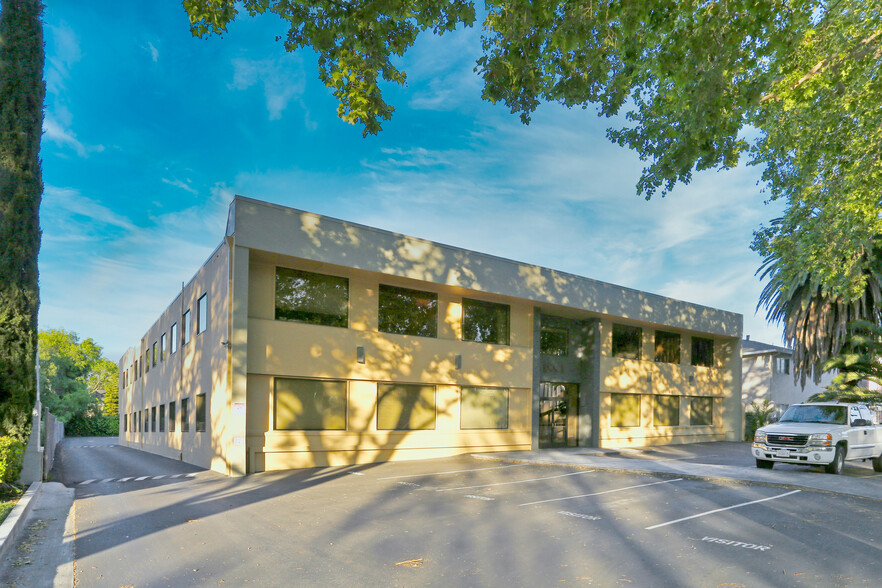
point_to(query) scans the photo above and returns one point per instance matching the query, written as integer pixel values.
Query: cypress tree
(21, 187)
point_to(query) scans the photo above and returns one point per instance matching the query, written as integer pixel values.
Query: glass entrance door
(558, 414)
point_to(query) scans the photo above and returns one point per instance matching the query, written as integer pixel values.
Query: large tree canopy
(794, 86)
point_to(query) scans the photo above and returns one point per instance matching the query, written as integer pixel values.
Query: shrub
(757, 415)
(81, 425)
(11, 458)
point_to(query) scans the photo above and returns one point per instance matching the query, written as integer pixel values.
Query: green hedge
(92, 426)
(11, 457)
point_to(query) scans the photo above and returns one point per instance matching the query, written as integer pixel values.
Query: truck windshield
(834, 415)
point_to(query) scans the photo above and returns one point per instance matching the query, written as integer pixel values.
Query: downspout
(180, 344)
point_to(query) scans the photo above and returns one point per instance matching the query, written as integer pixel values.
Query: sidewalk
(43, 555)
(717, 462)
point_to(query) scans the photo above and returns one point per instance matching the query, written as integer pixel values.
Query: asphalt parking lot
(468, 522)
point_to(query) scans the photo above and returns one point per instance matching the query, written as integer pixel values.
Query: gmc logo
(785, 438)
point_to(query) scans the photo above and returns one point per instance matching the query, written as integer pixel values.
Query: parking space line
(193, 475)
(515, 482)
(695, 516)
(124, 479)
(141, 479)
(453, 472)
(106, 480)
(599, 493)
(83, 483)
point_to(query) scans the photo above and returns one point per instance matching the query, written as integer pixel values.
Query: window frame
(656, 412)
(384, 324)
(486, 305)
(186, 330)
(277, 394)
(163, 340)
(162, 418)
(381, 396)
(697, 343)
(462, 405)
(622, 338)
(304, 313)
(173, 337)
(661, 349)
(202, 314)
(201, 412)
(614, 396)
(172, 416)
(185, 414)
(692, 400)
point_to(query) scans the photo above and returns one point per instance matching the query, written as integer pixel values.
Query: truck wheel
(835, 467)
(764, 464)
(877, 463)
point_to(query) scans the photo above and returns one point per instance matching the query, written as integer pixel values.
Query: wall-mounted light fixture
(359, 354)
(457, 362)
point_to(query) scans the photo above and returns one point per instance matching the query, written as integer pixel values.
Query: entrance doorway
(558, 414)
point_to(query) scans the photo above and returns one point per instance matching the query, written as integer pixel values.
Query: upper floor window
(702, 351)
(782, 365)
(404, 311)
(553, 341)
(312, 298)
(627, 341)
(154, 354)
(186, 319)
(162, 343)
(174, 337)
(202, 314)
(147, 360)
(667, 347)
(485, 322)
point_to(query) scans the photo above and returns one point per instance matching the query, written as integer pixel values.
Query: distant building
(767, 373)
(310, 341)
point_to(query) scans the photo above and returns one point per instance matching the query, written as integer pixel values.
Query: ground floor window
(309, 405)
(171, 416)
(624, 410)
(200, 412)
(405, 407)
(162, 418)
(146, 420)
(153, 419)
(185, 415)
(484, 408)
(666, 411)
(701, 410)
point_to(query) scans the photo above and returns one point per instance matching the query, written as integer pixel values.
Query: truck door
(861, 438)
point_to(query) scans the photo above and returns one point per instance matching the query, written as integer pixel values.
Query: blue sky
(149, 132)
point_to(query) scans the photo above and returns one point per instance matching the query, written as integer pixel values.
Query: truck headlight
(759, 437)
(820, 439)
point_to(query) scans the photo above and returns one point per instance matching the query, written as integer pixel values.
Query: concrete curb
(12, 526)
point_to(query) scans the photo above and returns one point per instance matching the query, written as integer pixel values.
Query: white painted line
(124, 479)
(106, 480)
(141, 478)
(476, 497)
(158, 477)
(83, 483)
(599, 493)
(578, 515)
(410, 484)
(516, 482)
(359, 474)
(176, 476)
(722, 509)
(193, 475)
(519, 465)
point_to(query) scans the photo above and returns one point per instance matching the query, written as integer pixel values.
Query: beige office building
(309, 341)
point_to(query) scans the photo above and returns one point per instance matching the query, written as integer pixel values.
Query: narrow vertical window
(200, 412)
(185, 415)
(162, 342)
(147, 360)
(174, 337)
(202, 314)
(162, 418)
(171, 416)
(153, 419)
(186, 333)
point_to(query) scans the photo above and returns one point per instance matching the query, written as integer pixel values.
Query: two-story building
(309, 341)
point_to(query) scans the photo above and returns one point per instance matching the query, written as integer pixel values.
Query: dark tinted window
(312, 298)
(667, 347)
(485, 322)
(403, 311)
(627, 341)
(702, 351)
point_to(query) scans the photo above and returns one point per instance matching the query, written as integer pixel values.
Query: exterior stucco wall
(763, 381)
(198, 367)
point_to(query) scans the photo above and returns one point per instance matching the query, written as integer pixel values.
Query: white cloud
(282, 80)
(53, 131)
(154, 52)
(132, 270)
(180, 184)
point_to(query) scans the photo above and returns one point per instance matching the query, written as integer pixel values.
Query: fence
(39, 459)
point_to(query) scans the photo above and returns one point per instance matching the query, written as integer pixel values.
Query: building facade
(767, 374)
(309, 341)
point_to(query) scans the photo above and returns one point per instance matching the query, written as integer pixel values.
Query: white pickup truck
(820, 433)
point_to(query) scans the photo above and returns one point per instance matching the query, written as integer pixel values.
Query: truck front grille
(784, 440)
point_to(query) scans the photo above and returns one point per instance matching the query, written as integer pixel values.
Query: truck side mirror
(773, 419)
(861, 423)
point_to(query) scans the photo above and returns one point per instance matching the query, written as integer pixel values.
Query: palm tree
(816, 323)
